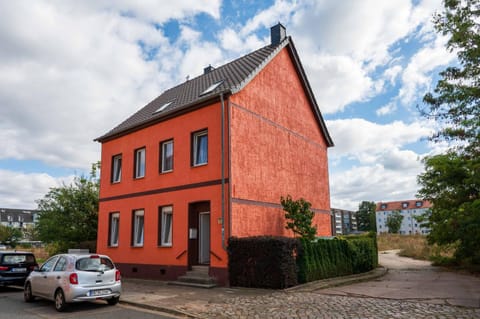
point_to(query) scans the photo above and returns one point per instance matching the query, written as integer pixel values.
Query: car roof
(10, 252)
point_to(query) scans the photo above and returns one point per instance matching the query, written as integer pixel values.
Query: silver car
(68, 278)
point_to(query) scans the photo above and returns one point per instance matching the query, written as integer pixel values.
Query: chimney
(208, 69)
(278, 33)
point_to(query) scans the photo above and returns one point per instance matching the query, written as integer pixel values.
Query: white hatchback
(68, 278)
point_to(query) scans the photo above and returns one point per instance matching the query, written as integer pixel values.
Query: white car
(68, 278)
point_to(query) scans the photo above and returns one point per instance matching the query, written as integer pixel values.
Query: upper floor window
(138, 228)
(140, 163)
(116, 168)
(200, 148)
(166, 222)
(166, 160)
(113, 225)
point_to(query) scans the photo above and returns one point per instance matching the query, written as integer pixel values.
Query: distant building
(344, 222)
(409, 209)
(18, 218)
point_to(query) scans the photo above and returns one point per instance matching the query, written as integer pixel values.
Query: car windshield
(17, 258)
(94, 263)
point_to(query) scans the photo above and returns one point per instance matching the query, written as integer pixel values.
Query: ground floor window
(138, 227)
(114, 223)
(165, 219)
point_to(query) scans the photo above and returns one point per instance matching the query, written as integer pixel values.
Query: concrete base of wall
(167, 272)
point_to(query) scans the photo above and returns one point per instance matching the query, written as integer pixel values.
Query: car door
(40, 279)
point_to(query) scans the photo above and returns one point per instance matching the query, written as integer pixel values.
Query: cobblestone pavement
(290, 305)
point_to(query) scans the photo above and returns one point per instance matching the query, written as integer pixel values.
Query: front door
(199, 233)
(204, 238)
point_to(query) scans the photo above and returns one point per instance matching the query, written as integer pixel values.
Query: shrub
(262, 262)
(325, 258)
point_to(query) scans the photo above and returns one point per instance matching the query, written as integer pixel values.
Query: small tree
(394, 221)
(69, 214)
(10, 235)
(299, 217)
(366, 216)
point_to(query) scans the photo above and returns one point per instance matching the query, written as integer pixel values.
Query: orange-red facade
(272, 146)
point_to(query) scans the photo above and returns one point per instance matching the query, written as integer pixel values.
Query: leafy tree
(10, 235)
(69, 214)
(451, 180)
(299, 217)
(366, 220)
(394, 222)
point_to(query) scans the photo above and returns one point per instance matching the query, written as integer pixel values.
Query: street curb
(160, 309)
(338, 281)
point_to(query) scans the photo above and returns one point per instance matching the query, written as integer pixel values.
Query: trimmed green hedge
(326, 258)
(281, 262)
(262, 262)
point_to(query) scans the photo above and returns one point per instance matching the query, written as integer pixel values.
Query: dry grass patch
(414, 246)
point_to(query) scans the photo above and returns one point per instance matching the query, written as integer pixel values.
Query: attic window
(404, 205)
(163, 107)
(211, 88)
(383, 206)
(418, 204)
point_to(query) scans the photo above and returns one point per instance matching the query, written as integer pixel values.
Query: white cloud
(392, 73)
(386, 109)
(365, 141)
(21, 190)
(371, 183)
(416, 78)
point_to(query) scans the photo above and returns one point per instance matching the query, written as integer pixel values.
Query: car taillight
(117, 275)
(3, 268)
(94, 256)
(73, 279)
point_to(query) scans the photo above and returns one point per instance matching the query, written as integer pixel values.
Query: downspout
(223, 169)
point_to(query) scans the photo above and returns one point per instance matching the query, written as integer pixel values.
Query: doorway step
(197, 277)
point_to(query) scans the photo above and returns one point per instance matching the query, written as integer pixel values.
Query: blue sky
(71, 70)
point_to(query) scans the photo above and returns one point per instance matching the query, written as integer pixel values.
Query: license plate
(19, 269)
(100, 292)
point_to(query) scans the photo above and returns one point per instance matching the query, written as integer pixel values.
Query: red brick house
(209, 159)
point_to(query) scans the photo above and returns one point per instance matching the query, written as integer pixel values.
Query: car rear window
(17, 258)
(94, 264)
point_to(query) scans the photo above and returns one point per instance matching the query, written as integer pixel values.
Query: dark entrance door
(199, 233)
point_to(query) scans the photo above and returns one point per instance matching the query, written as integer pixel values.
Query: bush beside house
(280, 262)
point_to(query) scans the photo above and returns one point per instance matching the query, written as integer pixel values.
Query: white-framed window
(138, 227)
(166, 226)
(117, 168)
(114, 227)
(140, 163)
(166, 160)
(200, 148)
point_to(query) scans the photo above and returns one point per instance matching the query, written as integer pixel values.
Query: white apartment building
(409, 210)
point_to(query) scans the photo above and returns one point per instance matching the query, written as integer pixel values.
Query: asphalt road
(12, 306)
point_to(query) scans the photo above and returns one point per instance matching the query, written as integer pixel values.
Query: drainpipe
(223, 169)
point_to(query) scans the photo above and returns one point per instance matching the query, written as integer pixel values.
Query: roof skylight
(163, 107)
(211, 88)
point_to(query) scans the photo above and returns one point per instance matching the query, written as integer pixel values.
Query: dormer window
(163, 107)
(383, 206)
(211, 88)
(404, 205)
(418, 204)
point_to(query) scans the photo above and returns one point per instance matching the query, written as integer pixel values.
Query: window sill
(199, 165)
(166, 172)
(165, 246)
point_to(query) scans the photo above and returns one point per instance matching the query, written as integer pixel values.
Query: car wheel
(113, 301)
(60, 303)
(27, 293)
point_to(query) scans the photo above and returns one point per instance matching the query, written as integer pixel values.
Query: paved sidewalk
(407, 290)
(193, 302)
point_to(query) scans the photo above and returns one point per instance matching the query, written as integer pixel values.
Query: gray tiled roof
(235, 75)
